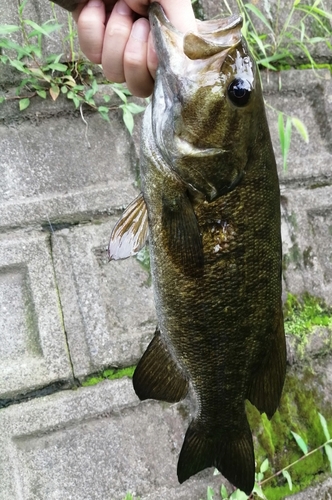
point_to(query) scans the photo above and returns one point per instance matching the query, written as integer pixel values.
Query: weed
(129, 496)
(74, 79)
(278, 42)
(260, 480)
(275, 46)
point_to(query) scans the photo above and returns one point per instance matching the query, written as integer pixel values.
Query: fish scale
(210, 203)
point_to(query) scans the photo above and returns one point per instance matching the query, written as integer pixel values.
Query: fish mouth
(211, 37)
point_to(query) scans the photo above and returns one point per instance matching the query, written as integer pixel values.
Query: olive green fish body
(211, 194)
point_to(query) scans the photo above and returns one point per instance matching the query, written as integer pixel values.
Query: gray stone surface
(108, 307)
(92, 444)
(55, 169)
(320, 492)
(33, 349)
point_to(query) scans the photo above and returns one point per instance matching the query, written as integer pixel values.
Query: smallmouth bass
(210, 203)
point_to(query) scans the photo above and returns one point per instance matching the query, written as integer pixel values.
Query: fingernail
(123, 9)
(140, 30)
(95, 3)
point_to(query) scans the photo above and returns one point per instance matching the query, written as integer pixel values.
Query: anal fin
(267, 383)
(158, 376)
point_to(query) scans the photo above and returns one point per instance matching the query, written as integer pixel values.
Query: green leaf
(324, 426)
(43, 30)
(120, 94)
(106, 98)
(94, 86)
(128, 119)
(223, 492)
(287, 476)
(300, 442)
(328, 451)
(259, 14)
(5, 29)
(296, 2)
(258, 490)
(76, 101)
(89, 94)
(24, 103)
(209, 494)
(2, 99)
(301, 128)
(265, 465)
(58, 67)
(135, 108)
(42, 93)
(18, 65)
(238, 495)
(284, 136)
(37, 72)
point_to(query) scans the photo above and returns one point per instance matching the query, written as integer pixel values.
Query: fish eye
(239, 92)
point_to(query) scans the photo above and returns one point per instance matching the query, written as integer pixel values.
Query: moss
(302, 316)
(273, 439)
(110, 374)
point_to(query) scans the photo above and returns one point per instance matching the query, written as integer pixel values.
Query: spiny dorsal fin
(130, 232)
(158, 376)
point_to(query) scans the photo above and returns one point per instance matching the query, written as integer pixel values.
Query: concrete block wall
(66, 313)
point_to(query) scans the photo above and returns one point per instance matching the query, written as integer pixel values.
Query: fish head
(206, 102)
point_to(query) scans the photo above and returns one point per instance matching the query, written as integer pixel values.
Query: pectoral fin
(267, 383)
(130, 232)
(157, 375)
(182, 235)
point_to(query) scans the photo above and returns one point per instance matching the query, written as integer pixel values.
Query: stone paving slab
(321, 491)
(306, 235)
(94, 444)
(50, 172)
(108, 307)
(33, 349)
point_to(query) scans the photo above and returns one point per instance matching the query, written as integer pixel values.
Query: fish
(210, 208)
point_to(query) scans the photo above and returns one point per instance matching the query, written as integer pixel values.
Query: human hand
(117, 35)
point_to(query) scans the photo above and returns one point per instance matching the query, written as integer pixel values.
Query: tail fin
(233, 455)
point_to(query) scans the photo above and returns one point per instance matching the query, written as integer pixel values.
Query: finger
(91, 29)
(180, 14)
(117, 34)
(137, 75)
(152, 58)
